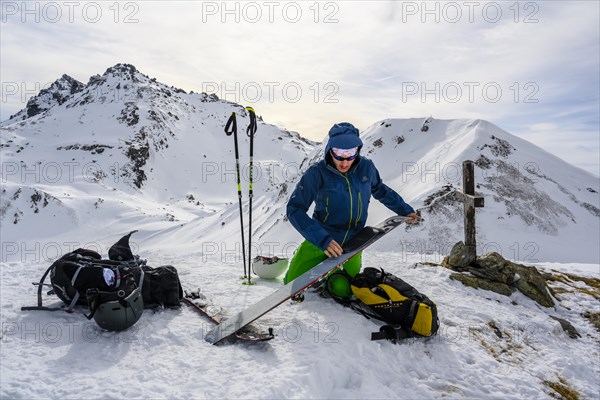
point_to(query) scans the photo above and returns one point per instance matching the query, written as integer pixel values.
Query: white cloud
(372, 60)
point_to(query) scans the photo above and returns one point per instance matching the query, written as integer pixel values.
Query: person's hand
(334, 249)
(414, 217)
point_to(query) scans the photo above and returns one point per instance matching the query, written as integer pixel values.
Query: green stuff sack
(388, 298)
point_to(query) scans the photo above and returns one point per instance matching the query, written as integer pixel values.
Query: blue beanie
(343, 136)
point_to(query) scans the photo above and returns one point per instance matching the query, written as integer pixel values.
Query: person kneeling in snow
(341, 186)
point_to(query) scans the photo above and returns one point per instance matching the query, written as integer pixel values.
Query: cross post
(470, 200)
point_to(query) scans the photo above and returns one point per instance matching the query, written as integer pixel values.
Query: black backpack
(72, 275)
(384, 296)
(77, 273)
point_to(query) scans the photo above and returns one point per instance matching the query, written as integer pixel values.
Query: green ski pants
(308, 256)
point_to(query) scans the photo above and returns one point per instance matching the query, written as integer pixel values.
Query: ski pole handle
(231, 126)
(251, 130)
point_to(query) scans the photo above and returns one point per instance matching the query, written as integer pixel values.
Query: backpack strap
(141, 281)
(117, 277)
(392, 333)
(412, 313)
(73, 280)
(92, 294)
(41, 285)
(373, 277)
(85, 261)
(39, 295)
(346, 302)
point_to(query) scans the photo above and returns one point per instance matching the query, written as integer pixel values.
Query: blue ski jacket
(341, 201)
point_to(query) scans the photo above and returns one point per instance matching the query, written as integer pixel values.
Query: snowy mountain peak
(125, 70)
(57, 93)
(67, 84)
(551, 201)
(121, 74)
(127, 143)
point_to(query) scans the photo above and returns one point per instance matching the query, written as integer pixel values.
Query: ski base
(365, 238)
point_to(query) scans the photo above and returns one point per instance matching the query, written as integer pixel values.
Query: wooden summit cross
(470, 200)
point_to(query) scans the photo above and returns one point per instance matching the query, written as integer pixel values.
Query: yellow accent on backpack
(390, 299)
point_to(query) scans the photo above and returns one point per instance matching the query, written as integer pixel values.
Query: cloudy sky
(531, 67)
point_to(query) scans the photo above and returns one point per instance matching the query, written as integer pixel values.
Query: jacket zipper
(350, 194)
(326, 209)
(359, 210)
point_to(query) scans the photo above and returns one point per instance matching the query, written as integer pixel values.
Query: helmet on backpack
(116, 310)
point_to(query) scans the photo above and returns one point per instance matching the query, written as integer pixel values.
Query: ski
(361, 241)
(217, 314)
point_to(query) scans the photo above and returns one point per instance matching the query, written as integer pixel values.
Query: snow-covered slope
(128, 152)
(537, 206)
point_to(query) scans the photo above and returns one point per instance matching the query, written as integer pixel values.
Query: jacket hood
(343, 136)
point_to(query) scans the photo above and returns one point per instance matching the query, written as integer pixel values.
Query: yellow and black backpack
(384, 296)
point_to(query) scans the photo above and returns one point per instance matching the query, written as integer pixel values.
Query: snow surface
(321, 351)
(126, 152)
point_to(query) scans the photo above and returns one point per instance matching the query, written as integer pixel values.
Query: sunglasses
(343, 158)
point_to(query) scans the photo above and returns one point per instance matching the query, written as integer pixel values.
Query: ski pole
(231, 128)
(250, 131)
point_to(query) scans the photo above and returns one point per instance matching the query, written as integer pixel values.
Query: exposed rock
(500, 147)
(483, 162)
(129, 114)
(594, 318)
(493, 272)
(57, 93)
(564, 282)
(521, 197)
(567, 327)
(138, 154)
(93, 148)
(459, 257)
(533, 285)
(495, 268)
(495, 329)
(592, 209)
(484, 284)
